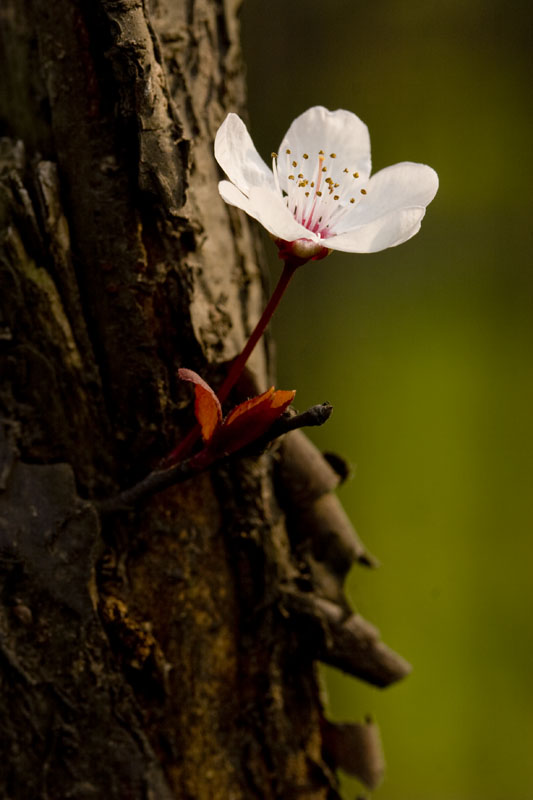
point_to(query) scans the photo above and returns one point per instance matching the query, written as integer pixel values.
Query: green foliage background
(425, 352)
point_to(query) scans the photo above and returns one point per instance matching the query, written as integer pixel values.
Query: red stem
(236, 369)
(240, 362)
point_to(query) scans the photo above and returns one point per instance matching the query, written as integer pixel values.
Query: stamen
(319, 208)
(308, 222)
(273, 155)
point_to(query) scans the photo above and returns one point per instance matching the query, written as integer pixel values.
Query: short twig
(161, 479)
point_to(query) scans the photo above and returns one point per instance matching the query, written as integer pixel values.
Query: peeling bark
(153, 653)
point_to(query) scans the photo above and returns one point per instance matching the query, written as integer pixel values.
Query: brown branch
(355, 748)
(349, 643)
(158, 480)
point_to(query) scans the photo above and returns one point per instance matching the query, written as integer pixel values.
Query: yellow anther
(291, 177)
(288, 151)
(352, 199)
(312, 184)
(320, 152)
(346, 169)
(333, 155)
(273, 155)
(335, 184)
(300, 174)
(301, 183)
(363, 191)
(356, 174)
(319, 194)
(336, 197)
(307, 194)
(306, 155)
(294, 163)
(324, 169)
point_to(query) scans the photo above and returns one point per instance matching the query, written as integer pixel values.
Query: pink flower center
(318, 191)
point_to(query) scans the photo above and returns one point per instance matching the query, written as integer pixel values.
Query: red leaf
(248, 405)
(250, 420)
(206, 404)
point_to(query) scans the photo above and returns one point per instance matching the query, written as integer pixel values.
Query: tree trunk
(166, 650)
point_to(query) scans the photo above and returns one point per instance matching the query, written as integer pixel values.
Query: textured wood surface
(151, 653)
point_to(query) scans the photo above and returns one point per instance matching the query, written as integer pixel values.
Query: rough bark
(155, 652)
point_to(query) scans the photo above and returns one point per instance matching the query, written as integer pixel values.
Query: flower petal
(389, 230)
(238, 157)
(403, 185)
(267, 207)
(231, 195)
(340, 132)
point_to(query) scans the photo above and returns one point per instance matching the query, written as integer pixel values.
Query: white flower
(319, 195)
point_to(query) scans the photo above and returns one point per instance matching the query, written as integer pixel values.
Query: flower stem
(185, 446)
(240, 362)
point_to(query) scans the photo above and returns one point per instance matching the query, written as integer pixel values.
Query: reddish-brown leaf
(207, 407)
(250, 420)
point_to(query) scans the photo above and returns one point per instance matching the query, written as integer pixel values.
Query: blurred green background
(425, 352)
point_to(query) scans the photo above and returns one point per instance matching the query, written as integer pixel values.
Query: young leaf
(207, 407)
(250, 420)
